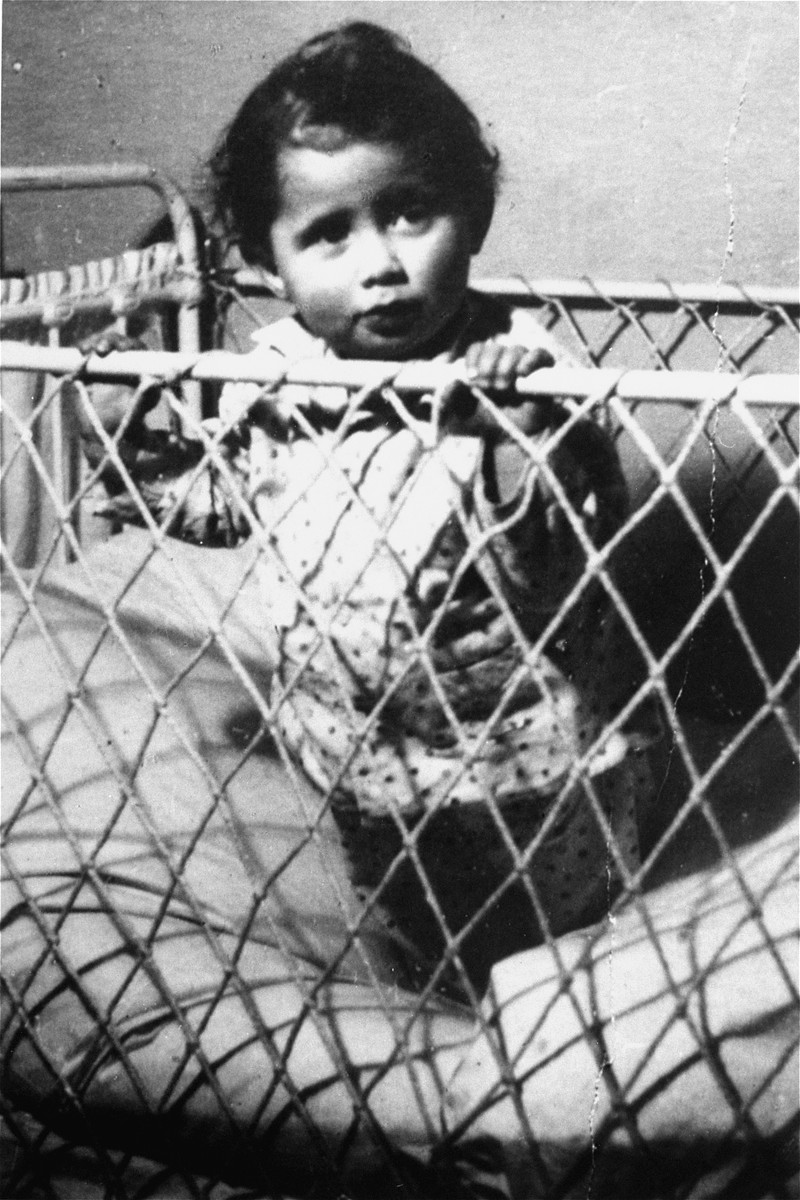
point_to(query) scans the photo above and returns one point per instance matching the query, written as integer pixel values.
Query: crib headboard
(155, 283)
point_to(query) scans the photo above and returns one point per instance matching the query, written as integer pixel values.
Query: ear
(274, 283)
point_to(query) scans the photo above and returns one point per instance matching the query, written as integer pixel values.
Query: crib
(198, 1001)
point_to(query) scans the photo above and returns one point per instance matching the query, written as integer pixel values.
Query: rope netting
(381, 853)
(658, 326)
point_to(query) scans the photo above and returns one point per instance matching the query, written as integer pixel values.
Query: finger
(507, 367)
(472, 357)
(516, 362)
(534, 360)
(484, 367)
(497, 366)
(98, 343)
(107, 341)
(476, 359)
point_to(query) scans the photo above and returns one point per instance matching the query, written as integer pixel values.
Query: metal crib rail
(780, 390)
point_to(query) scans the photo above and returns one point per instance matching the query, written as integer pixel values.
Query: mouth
(393, 319)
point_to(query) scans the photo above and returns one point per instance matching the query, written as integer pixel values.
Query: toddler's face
(373, 258)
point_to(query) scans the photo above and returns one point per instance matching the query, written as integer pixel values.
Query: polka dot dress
(431, 686)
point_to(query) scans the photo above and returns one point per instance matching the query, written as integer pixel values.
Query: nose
(380, 261)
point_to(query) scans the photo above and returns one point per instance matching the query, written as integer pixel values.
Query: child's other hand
(109, 340)
(117, 406)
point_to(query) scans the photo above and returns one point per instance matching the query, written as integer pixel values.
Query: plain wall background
(640, 140)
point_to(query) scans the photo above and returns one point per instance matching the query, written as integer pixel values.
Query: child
(413, 568)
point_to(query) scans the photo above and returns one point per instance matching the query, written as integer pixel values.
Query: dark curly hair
(363, 80)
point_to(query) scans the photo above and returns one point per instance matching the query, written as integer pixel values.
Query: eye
(413, 215)
(410, 212)
(330, 230)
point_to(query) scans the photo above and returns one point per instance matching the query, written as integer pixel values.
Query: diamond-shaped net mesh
(661, 326)
(275, 810)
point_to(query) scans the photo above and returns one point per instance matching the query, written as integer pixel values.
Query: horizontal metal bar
(219, 365)
(86, 175)
(726, 295)
(89, 175)
(588, 291)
